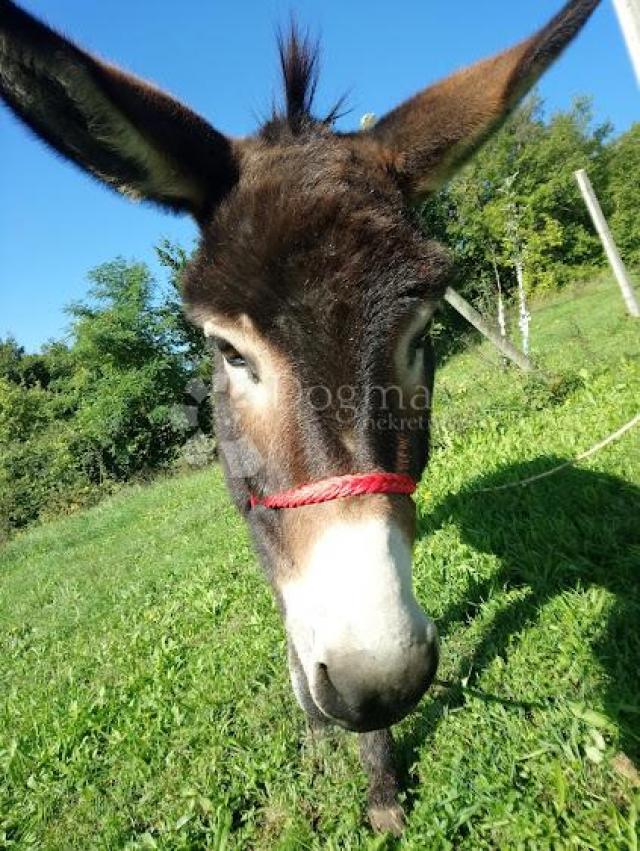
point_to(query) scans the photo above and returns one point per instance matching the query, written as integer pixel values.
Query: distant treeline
(107, 404)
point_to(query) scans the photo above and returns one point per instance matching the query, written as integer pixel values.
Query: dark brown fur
(309, 241)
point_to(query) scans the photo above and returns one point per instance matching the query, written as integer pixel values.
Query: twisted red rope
(337, 487)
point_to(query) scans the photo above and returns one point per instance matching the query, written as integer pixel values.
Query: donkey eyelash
(234, 359)
(231, 355)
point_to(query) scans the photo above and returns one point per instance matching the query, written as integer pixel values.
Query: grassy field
(144, 699)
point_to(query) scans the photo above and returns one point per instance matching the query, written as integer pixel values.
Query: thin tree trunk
(502, 322)
(525, 316)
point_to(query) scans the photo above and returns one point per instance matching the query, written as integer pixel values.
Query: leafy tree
(624, 194)
(186, 337)
(128, 374)
(11, 355)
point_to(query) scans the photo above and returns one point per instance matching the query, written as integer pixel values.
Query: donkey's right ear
(127, 133)
(428, 137)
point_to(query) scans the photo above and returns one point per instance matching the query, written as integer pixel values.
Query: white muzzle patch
(353, 600)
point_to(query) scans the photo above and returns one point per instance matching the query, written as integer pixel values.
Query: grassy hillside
(144, 699)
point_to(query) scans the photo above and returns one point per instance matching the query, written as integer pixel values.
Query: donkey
(316, 287)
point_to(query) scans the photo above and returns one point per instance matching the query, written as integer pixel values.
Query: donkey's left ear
(125, 132)
(427, 138)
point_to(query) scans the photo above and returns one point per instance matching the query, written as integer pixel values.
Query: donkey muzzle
(367, 649)
(354, 692)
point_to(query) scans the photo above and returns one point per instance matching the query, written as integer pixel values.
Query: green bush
(76, 420)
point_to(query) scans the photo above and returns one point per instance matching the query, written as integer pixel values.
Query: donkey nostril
(354, 690)
(344, 695)
(351, 702)
(331, 701)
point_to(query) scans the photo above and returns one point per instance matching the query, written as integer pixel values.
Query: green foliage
(518, 200)
(624, 180)
(185, 336)
(77, 419)
(11, 355)
(144, 697)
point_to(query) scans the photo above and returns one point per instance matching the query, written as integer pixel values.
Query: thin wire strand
(615, 435)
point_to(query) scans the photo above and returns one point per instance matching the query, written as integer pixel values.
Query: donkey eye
(231, 355)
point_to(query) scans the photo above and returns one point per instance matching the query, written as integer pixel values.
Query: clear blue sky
(219, 57)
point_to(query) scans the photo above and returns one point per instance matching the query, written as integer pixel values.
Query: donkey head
(316, 287)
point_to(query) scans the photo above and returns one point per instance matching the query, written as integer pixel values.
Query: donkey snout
(367, 649)
(362, 692)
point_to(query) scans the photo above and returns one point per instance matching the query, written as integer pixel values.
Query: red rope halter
(336, 487)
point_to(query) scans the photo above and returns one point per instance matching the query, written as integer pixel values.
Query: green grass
(144, 699)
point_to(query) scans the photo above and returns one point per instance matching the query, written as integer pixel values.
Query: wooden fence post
(595, 211)
(473, 317)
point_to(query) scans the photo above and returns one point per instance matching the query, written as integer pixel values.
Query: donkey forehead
(313, 230)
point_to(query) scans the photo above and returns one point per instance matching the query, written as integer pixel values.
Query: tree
(186, 337)
(11, 356)
(128, 373)
(624, 194)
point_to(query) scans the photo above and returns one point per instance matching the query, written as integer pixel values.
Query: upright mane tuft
(300, 67)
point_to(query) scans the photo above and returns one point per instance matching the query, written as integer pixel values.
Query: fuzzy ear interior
(125, 132)
(431, 135)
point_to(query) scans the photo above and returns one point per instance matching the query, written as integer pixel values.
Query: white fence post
(629, 17)
(604, 233)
